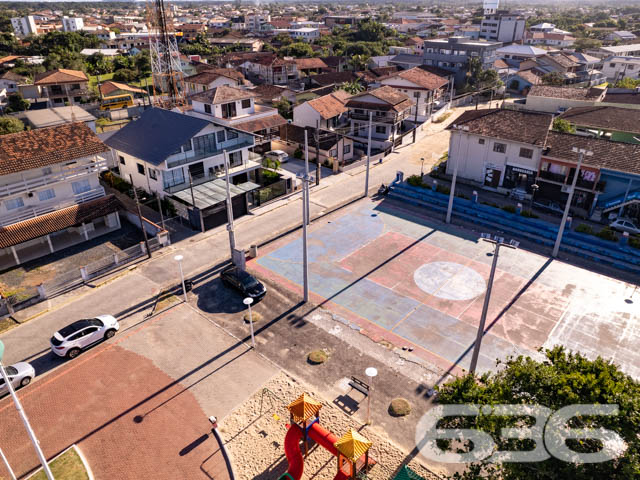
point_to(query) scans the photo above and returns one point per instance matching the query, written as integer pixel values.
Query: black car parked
(244, 282)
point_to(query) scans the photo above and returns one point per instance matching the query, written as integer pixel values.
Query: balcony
(554, 177)
(255, 161)
(27, 185)
(37, 210)
(232, 146)
(386, 117)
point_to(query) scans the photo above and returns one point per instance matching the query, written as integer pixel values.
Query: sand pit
(254, 434)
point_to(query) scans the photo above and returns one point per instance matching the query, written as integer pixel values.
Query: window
(187, 146)
(153, 174)
(416, 94)
(45, 195)
(46, 171)
(173, 177)
(346, 149)
(205, 144)
(121, 158)
(334, 152)
(526, 153)
(612, 65)
(246, 103)
(220, 136)
(140, 168)
(14, 203)
(481, 141)
(81, 186)
(231, 134)
(207, 108)
(381, 129)
(500, 148)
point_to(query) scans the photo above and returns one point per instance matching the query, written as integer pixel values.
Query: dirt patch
(256, 430)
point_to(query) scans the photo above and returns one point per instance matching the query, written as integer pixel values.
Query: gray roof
(407, 58)
(156, 134)
(49, 117)
(213, 192)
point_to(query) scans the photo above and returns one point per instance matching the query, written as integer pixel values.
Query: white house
(328, 111)
(24, 26)
(617, 68)
(50, 194)
(10, 81)
(203, 81)
(493, 148)
(550, 99)
(72, 24)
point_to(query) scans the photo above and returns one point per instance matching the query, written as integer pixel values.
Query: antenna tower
(168, 79)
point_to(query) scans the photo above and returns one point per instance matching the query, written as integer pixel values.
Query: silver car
(624, 225)
(20, 375)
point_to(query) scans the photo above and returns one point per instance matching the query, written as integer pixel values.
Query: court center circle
(449, 281)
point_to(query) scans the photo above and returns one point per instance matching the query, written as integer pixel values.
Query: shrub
(298, 154)
(116, 182)
(443, 189)
(415, 181)
(491, 204)
(443, 117)
(634, 242)
(317, 357)
(607, 234)
(462, 195)
(255, 317)
(399, 407)
(584, 228)
(509, 208)
(529, 214)
(168, 207)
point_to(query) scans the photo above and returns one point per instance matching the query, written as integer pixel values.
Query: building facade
(502, 27)
(63, 87)
(24, 26)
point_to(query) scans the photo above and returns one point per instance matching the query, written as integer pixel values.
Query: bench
(359, 385)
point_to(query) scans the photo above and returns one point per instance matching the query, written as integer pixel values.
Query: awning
(55, 221)
(212, 193)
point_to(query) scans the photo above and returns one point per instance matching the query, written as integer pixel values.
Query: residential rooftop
(609, 118)
(566, 93)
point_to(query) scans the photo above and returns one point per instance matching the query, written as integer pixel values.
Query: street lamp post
(370, 372)
(248, 301)
(534, 189)
(460, 129)
(178, 258)
(25, 420)
(6, 464)
(421, 168)
(581, 154)
(497, 242)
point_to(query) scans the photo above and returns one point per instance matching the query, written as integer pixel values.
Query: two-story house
(498, 149)
(328, 111)
(617, 68)
(272, 69)
(181, 157)
(10, 81)
(50, 194)
(236, 107)
(207, 80)
(389, 107)
(63, 86)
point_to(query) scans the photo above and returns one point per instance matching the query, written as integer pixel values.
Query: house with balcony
(236, 107)
(271, 69)
(326, 112)
(208, 79)
(390, 110)
(181, 157)
(63, 87)
(50, 194)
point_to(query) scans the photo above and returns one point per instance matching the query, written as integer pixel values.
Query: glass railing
(231, 146)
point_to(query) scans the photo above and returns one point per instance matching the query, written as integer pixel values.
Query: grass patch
(255, 317)
(166, 301)
(317, 357)
(6, 324)
(399, 407)
(67, 466)
(443, 117)
(143, 83)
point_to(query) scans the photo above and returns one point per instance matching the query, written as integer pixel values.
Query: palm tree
(353, 87)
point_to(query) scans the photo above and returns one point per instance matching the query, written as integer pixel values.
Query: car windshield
(11, 370)
(73, 328)
(247, 280)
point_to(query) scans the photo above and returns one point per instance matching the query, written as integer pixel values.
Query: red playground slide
(292, 451)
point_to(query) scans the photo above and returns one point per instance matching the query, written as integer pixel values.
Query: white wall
(304, 115)
(551, 105)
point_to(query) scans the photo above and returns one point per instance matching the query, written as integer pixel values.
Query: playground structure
(351, 450)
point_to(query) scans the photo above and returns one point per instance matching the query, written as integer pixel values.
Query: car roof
(78, 325)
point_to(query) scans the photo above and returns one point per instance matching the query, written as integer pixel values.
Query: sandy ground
(254, 434)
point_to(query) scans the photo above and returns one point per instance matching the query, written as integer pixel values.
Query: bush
(298, 154)
(415, 181)
(125, 75)
(529, 214)
(443, 117)
(443, 189)
(116, 182)
(255, 317)
(607, 234)
(168, 207)
(509, 208)
(317, 357)
(491, 204)
(634, 242)
(584, 228)
(399, 407)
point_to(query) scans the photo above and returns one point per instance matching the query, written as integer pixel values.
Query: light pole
(534, 189)
(232, 236)
(178, 258)
(421, 168)
(305, 221)
(497, 242)
(460, 129)
(25, 420)
(366, 177)
(581, 154)
(370, 372)
(6, 464)
(248, 301)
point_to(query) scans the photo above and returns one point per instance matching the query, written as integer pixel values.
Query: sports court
(403, 278)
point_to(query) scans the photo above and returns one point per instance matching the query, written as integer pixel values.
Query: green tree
(583, 43)
(142, 62)
(563, 126)
(282, 39)
(628, 82)
(371, 31)
(98, 64)
(353, 87)
(553, 78)
(125, 75)
(561, 380)
(359, 62)
(64, 59)
(10, 125)
(297, 49)
(284, 107)
(16, 103)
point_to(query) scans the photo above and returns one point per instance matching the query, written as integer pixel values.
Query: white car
(623, 225)
(279, 155)
(82, 334)
(20, 375)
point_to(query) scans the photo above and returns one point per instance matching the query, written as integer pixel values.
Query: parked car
(244, 282)
(20, 375)
(624, 225)
(82, 334)
(279, 155)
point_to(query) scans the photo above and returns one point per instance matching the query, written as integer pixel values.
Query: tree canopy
(297, 49)
(10, 125)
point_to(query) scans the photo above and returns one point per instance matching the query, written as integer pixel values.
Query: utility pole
(144, 231)
(316, 137)
(160, 210)
(306, 170)
(366, 177)
(232, 237)
(581, 153)
(497, 242)
(460, 129)
(415, 121)
(305, 219)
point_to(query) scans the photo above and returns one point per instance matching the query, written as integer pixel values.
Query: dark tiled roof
(568, 93)
(610, 118)
(13, 76)
(307, 63)
(205, 77)
(525, 127)
(622, 98)
(223, 94)
(47, 146)
(52, 222)
(623, 157)
(333, 78)
(156, 134)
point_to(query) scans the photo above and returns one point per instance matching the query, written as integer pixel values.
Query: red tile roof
(110, 86)
(55, 221)
(47, 146)
(60, 76)
(329, 106)
(261, 123)
(419, 77)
